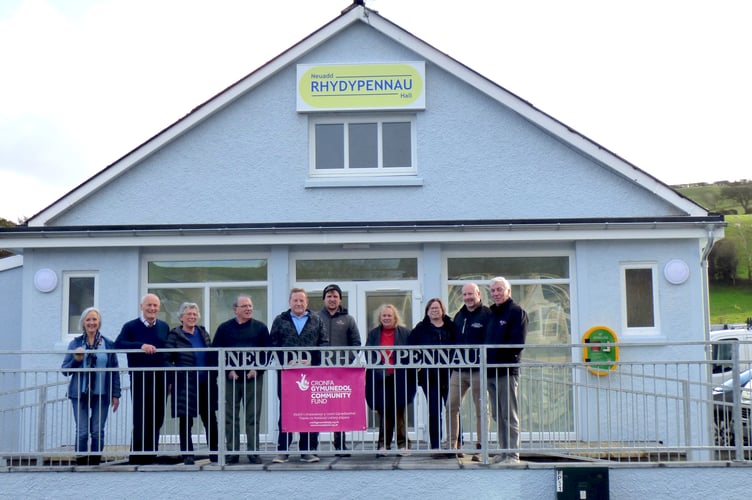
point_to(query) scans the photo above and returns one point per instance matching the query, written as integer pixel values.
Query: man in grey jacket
(343, 331)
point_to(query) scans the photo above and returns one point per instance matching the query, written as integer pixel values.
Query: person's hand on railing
(148, 348)
(79, 354)
(251, 374)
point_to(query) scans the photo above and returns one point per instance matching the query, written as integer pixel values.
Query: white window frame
(67, 276)
(642, 330)
(345, 120)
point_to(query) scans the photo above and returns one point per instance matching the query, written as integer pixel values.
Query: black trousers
(206, 395)
(148, 392)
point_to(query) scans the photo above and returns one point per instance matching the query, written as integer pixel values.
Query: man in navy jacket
(148, 387)
(508, 325)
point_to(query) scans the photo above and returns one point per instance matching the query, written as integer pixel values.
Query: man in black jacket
(243, 385)
(508, 325)
(470, 324)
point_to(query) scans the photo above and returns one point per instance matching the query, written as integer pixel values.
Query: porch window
(541, 285)
(212, 284)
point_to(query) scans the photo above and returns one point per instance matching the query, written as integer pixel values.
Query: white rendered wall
(653, 482)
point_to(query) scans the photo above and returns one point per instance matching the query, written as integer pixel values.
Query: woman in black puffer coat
(194, 392)
(435, 329)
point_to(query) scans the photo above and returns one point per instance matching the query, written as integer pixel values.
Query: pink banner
(323, 399)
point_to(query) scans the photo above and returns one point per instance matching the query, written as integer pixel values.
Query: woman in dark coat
(194, 392)
(389, 390)
(435, 329)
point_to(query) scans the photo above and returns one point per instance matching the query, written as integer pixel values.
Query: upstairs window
(366, 145)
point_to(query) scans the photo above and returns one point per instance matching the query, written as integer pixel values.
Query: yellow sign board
(361, 86)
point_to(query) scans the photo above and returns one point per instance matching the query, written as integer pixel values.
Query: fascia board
(511, 234)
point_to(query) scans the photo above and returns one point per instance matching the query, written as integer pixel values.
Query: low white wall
(633, 482)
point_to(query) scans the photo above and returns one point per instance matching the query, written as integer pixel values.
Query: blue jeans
(90, 413)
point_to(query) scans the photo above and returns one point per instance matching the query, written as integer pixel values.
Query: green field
(730, 304)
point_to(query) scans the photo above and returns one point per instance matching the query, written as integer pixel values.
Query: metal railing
(641, 411)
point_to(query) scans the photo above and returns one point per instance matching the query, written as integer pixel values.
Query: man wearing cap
(343, 331)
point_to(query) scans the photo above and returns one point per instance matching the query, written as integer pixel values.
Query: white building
(365, 156)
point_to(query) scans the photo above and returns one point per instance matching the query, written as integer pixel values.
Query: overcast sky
(664, 84)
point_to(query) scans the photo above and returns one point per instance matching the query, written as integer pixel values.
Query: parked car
(723, 344)
(723, 408)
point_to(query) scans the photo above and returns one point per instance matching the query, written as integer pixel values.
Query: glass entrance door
(362, 299)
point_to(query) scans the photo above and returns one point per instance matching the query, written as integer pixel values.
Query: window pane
(80, 296)
(171, 298)
(722, 352)
(639, 292)
(485, 268)
(363, 143)
(221, 305)
(397, 144)
(330, 146)
(203, 271)
(401, 300)
(316, 303)
(356, 269)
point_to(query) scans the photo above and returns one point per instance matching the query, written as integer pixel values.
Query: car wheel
(723, 432)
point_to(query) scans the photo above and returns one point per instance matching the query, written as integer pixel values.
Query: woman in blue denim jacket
(91, 391)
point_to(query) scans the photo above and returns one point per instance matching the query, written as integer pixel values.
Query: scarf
(91, 361)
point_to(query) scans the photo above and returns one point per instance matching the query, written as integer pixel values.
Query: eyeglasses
(245, 306)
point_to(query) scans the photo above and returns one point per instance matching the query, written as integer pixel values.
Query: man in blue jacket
(298, 327)
(148, 386)
(508, 325)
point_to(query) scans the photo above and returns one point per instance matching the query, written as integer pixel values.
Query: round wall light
(45, 280)
(676, 271)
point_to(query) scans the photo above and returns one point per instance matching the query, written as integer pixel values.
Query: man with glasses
(243, 385)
